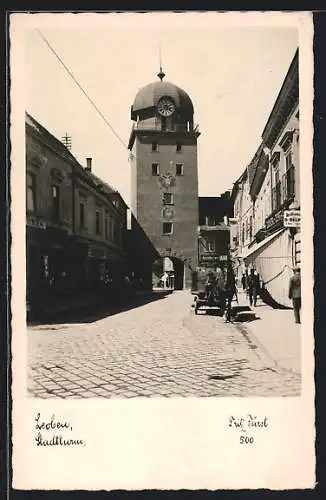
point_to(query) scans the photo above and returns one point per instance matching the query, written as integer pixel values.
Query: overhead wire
(82, 89)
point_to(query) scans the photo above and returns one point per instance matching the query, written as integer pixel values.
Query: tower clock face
(165, 106)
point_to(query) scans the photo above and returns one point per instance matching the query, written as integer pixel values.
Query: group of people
(223, 284)
(251, 285)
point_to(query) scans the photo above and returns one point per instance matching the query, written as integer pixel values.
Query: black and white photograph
(162, 212)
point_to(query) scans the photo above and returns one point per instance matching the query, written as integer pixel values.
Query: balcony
(284, 191)
(216, 227)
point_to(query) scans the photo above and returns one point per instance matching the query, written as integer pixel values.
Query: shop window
(155, 169)
(179, 147)
(167, 228)
(154, 147)
(167, 199)
(55, 202)
(31, 192)
(98, 228)
(179, 169)
(82, 215)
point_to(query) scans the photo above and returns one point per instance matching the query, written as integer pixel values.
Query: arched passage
(179, 270)
(168, 272)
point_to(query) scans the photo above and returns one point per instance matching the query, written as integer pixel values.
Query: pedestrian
(219, 279)
(230, 290)
(295, 293)
(253, 287)
(243, 281)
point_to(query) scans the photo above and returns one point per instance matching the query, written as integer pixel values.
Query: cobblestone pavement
(158, 349)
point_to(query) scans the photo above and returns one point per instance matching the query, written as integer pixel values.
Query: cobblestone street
(158, 349)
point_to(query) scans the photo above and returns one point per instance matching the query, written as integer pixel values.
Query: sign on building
(292, 218)
(36, 222)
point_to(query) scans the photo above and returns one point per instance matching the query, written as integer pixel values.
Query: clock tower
(163, 145)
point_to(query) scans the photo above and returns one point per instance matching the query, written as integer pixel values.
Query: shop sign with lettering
(292, 218)
(36, 222)
(274, 220)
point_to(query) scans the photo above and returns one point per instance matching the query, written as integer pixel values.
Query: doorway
(178, 273)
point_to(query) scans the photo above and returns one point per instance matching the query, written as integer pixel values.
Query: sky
(233, 74)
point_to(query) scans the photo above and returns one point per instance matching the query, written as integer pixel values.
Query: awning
(261, 244)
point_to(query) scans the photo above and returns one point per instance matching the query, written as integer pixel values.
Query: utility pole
(66, 139)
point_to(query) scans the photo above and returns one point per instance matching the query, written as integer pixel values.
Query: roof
(214, 205)
(148, 97)
(55, 144)
(48, 139)
(100, 183)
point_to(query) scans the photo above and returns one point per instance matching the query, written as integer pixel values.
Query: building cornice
(167, 133)
(284, 105)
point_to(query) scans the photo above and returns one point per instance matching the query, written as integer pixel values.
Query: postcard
(161, 225)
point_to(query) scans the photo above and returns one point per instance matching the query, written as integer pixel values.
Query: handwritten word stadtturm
(45, 436)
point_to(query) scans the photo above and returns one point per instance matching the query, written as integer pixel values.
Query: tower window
(155, 169)
(154, 146)
(167, 228)
(179, 169)
(179, 147)
(167, 199)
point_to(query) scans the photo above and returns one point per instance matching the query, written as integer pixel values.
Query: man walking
(295, 293)
(253, 287)
(230, 291)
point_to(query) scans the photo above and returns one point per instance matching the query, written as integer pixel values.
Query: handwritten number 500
(246, 440)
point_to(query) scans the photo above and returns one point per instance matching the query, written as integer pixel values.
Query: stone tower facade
(163, 145)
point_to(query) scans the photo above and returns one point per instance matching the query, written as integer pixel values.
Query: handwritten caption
(248, 425)
(54, 432)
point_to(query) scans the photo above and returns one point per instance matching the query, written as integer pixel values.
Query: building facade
(266, 191)
(76, 226)
(163, 145)
(213, 231)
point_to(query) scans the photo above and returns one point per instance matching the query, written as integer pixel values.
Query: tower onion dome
(148, 97)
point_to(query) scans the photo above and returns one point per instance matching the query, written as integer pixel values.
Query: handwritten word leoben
(45, 436)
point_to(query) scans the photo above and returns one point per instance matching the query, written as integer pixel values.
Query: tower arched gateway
(163, 145)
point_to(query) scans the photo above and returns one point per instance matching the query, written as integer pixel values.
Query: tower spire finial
(161, 74)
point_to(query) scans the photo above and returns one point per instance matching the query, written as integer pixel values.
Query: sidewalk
(276, 332)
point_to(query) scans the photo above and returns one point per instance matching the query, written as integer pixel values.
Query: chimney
(88, 165)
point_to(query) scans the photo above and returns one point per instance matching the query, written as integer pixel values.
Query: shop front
(103, 265)
(275, 256)
(54, 263)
